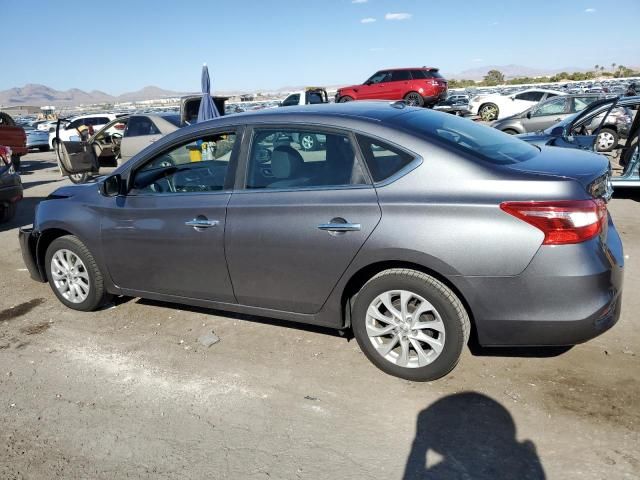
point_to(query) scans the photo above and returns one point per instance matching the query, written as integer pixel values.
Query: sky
(121, 46)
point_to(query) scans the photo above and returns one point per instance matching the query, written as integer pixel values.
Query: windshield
(466, 136)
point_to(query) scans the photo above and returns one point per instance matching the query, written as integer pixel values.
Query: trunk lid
(592, 171)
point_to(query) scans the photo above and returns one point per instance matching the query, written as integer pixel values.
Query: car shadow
(470, 435)
(28, 167)
(627, 194)
(249, 318)
(24, 214)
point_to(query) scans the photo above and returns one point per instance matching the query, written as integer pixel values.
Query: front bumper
(567, 295)
(28, 238)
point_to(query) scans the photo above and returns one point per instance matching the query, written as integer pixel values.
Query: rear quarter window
(383, 160)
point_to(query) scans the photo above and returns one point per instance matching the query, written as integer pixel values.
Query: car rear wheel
(607, 140)
(510, 131)
(344, 99)
(74, 275)
(489, 112)
(410, 324)
(414, 99)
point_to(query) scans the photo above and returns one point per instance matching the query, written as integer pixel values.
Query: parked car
(496, 106)
(611, 118)
(454, 106)
(406, 227)
(545, 113)
(582, 131)
(37, 139)
(10, 186)
(416, 86)
(115, 143)
(68, 128)
(13, 136)
(309, 96)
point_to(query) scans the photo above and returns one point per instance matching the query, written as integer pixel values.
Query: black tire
(97, 295)
(308, 142)
(414, 99)
(7, 212)
(15, 160)
(611, 135)
(79, 177)
(448, 305)
(344, 99)
(510, 131)
(489, 112)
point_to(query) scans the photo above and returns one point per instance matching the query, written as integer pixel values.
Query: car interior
(199, 166)
(277, 160)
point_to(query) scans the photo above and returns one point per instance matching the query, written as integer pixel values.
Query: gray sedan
(544, 114)
(412, 228)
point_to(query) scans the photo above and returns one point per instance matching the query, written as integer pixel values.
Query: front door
(378, 86)
(76, 157)
(299, 221)
(166, 235)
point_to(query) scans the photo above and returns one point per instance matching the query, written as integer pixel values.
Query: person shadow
(470, 436)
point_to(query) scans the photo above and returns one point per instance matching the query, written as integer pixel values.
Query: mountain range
(40, 95)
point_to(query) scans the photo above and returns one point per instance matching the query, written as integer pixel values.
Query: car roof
(407, 68)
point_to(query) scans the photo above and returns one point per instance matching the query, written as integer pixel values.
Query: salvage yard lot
(129, 391)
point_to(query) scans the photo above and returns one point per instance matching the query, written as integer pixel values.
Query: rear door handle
(340, 227)
(201, 223)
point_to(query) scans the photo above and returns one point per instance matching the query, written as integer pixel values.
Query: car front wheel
(488, 112)
(410, 325)
(345, 99)
(74, 275)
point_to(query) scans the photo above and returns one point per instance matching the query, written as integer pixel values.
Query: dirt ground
(129, 392)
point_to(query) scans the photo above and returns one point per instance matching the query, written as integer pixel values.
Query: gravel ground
(129, 392)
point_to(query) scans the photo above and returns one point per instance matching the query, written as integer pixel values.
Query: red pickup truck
(12, 136)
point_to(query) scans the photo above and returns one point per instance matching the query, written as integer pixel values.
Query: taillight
(563, 221)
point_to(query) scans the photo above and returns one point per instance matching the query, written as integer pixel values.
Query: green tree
(613, 66)
(493, 77)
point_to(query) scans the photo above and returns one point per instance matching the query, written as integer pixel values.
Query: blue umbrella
(207, 109)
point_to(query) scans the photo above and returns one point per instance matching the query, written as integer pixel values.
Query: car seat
(287, 166)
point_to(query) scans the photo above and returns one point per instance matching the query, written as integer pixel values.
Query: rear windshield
(466, 136)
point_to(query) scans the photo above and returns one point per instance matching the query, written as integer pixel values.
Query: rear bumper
(567, 295)
(435, 98)
(28, 239)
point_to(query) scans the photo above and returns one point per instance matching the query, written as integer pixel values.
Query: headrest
(285, 162)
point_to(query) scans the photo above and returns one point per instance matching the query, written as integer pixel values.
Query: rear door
(297, 218)
(400, 84)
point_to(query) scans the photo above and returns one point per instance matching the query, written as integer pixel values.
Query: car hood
(536, 138)
(565, 162)
(74, 190)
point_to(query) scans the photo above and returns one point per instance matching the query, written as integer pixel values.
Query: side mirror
(557, 131)
(368, 82)
(529, 114)
(111, 186)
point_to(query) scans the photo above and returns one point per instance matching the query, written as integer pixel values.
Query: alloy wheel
(405, 329)
(605, 141)
(307, 142)
(488, 113)
(70, 276)
(413, 100)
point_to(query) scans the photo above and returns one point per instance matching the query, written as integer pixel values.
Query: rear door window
(138, 126)
(383, 159)
(400, 75)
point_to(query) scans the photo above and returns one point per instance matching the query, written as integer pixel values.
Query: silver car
(413, 228)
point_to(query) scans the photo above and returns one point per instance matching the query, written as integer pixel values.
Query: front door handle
(201, 223)
(340, 227)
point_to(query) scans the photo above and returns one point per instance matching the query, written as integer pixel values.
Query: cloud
(359, 1)
(493, 24)
(590, 10)
(368, 20)
(476, 60)
(397, 16)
